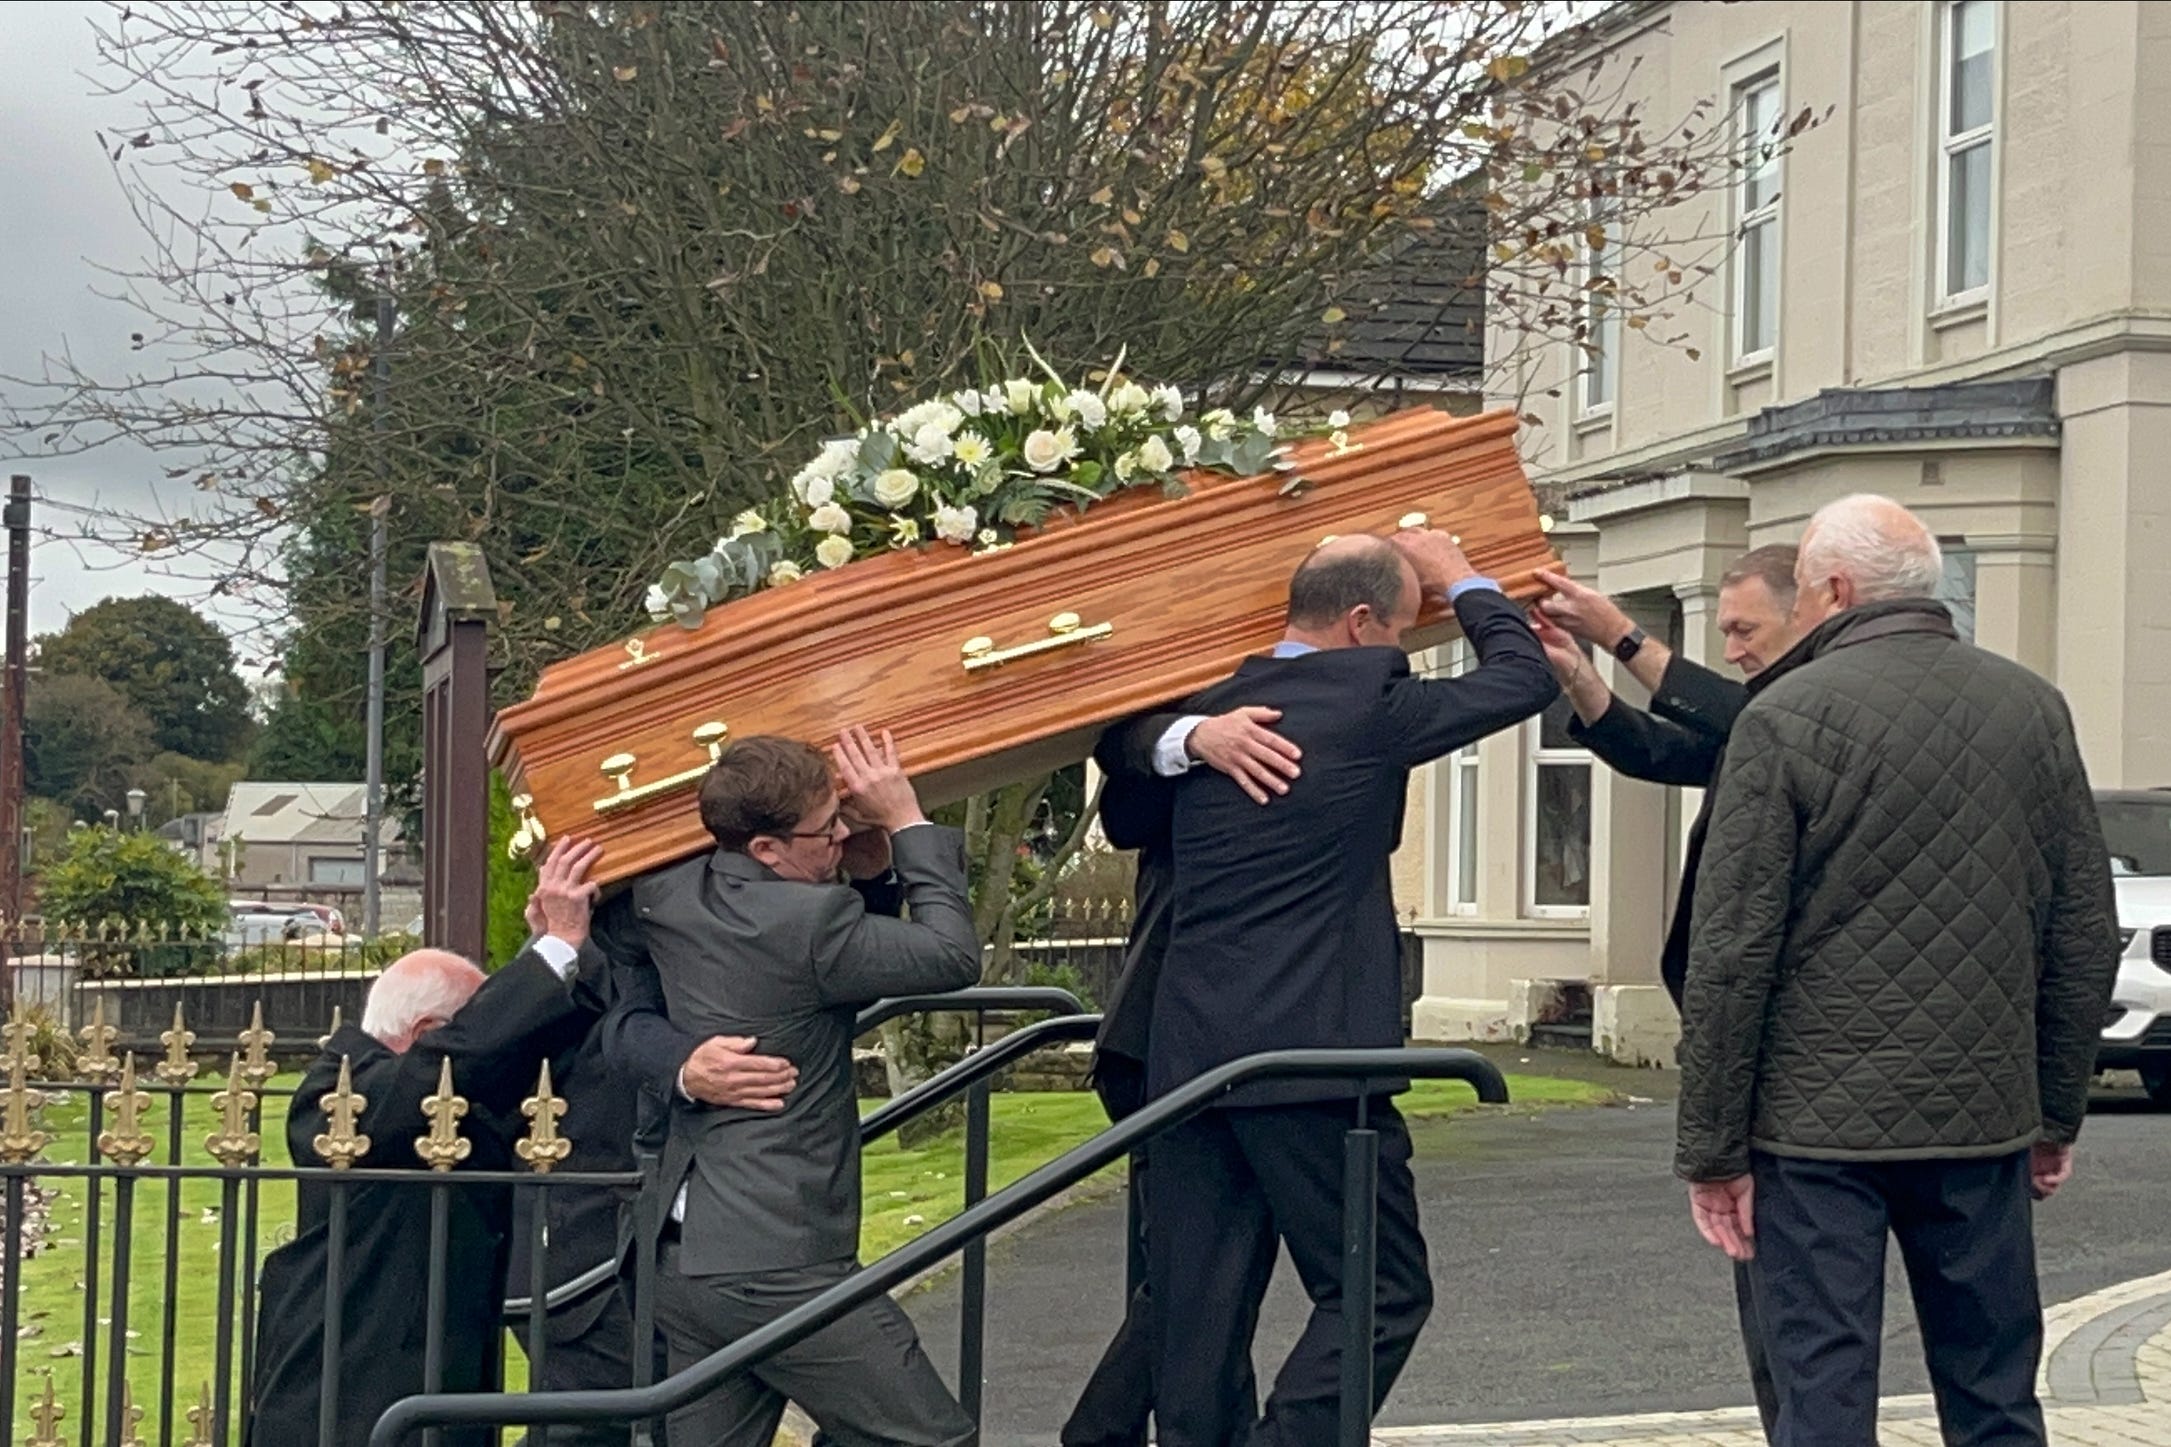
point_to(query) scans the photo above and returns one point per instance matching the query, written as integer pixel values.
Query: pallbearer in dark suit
(426, 1008)
(1680, 741)
(759, 939)
(1283, 935)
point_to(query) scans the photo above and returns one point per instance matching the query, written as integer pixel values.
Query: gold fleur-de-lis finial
(131, 1414)
(19, 1139)
(21, 1035)
(127, 1142)
(257, 1066)
(45, 1420)
(542, 1147)
(233, 1143)
(337, 1020)
(177, 1068)
(342, 1145)
(98, 1064)
(199, 1420)
(444, 1147)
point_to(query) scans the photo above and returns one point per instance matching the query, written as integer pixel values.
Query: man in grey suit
(759, 939)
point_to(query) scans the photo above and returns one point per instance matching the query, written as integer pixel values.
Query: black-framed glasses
(828, 829)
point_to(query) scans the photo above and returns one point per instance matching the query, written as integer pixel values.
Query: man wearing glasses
(760, 939)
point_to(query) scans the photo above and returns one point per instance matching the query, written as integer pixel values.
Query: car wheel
(2156, 1079)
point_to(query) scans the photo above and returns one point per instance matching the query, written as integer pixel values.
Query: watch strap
(1630, 646)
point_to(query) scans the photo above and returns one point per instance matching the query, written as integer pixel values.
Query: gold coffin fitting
(619, 768)
(1065, 630)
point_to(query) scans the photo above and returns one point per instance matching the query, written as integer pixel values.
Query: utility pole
(13, 697)
(373, 790)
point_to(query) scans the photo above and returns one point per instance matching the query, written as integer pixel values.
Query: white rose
(818, 491)
(1127, 397)
(1220, 424)
(1337, 418)
(972, 449)
(830, 518)
(895, 487)
(784, 570)
(1154, 456)
(1091, 411)
(1170, 401)
(748, 522)
(930, 445)
(956, 524)
(833, 551)
(656, 601)
(1188, 439)
(1045, 451)
(1019, 395)
(1263, 421)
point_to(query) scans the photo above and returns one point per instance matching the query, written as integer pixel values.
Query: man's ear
(764, 850)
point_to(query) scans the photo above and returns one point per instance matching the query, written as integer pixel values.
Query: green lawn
(906, 1193)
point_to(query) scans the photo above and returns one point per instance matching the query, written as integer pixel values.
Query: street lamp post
(136, 798)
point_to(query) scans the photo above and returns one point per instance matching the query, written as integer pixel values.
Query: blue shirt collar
(1290, 648)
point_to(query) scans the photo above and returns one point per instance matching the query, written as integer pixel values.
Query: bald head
(1864, 549)
(417, 992)
(1352, 591)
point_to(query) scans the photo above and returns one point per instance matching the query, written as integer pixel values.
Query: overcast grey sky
(62, 215)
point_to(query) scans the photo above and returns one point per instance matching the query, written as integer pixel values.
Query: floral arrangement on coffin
(968, 470)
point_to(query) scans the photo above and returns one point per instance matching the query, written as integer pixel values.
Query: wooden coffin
(1150, 597)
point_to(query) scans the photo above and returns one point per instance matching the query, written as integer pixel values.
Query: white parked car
(2137, 1032)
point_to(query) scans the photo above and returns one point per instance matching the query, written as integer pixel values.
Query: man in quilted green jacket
(1902, 949)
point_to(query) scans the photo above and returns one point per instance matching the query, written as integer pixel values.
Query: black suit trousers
(1225, 1189)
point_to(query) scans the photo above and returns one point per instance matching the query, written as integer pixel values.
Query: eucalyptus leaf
(1173, 488)
(878, 450)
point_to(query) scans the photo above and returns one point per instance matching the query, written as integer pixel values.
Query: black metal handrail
(973, 1224)
(979, 999)
(962, 1075)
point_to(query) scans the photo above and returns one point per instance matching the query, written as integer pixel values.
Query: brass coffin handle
(1065, 630)
(530, 834)
(618, 768)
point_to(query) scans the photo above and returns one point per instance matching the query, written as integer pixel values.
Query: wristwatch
(1630, 646)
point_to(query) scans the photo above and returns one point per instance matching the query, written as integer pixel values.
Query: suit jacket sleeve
(498, 1040)
(861, 957)
(1693, 696)
(1126, 749)
(2079, 950)
(1643, 746)
(638, 1038)
(1744, 893)
(1429, 717)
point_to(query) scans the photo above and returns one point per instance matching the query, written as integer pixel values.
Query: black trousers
(591, 1350)
(1225, 1189)
(1966, 1236)
(1752, 1344)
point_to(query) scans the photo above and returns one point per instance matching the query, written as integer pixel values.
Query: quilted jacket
(1904, 936)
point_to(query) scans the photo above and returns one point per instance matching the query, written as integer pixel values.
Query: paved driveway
(1570, 1283)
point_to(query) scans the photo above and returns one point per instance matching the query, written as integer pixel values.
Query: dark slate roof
(1882, 416)
(1419, 310)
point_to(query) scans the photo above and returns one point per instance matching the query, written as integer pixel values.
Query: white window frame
(1602, 358)
(1536, 758)
(1951, 146)
(1747, 220)
(1462, 794)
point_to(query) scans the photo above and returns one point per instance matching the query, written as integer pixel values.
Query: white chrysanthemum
(988, 537)
(914, 421)
(956, 524)
(896, 487)
(784, 570)
(656, 601)
(1337, 418)
(1090, 410)
(1019, 396)
(830, 518)
(1045, 451)
(1263, 421)
(971, 449)
(931, 446)
(1126, 466)
(1188, 440)
(1127, 397)
(1170, 402)
(833, 551)
(1220, 424)
(831, 463)
(904, 532)
(1154, 456)
(748, 522)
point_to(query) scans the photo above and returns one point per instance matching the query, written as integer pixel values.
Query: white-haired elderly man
(1902, 946)
(427, 1007)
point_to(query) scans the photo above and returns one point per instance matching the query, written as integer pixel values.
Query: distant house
(195, 836)
(296, 835)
